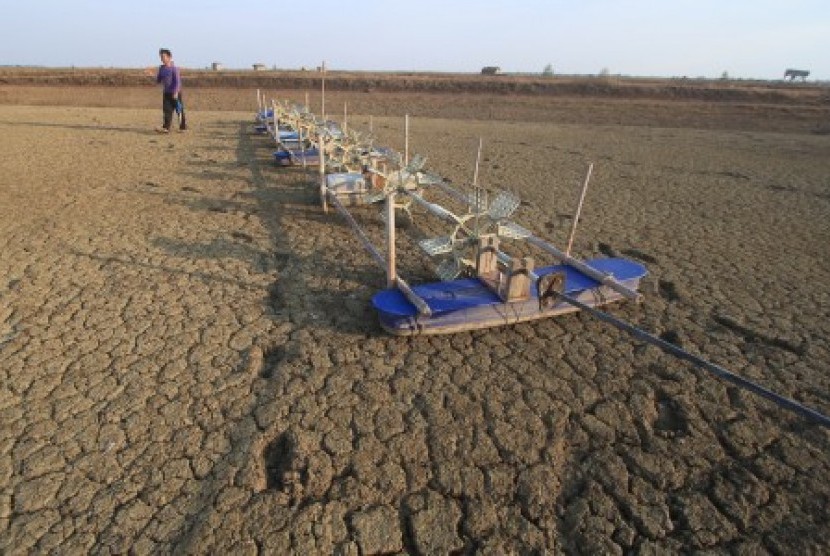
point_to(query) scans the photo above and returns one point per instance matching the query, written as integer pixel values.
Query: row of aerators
(480, 284)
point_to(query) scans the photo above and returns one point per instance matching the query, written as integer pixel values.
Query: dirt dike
(561, 86)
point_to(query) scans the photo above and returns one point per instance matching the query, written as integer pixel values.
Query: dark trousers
(168, 106)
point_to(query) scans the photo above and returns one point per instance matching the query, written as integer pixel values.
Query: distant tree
(548, 71)
(724, 75)
(604, 72)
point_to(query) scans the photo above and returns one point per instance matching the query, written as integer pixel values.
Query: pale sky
(745, 38)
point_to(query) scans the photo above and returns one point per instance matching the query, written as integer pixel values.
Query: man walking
(170, 78)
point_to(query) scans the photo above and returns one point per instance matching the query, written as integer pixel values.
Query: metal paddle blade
(448, 269)
(416, 164)
(511, 230)
(477, 203)
(394, 159)
(372, 198)
(428, 178)
(504, 205)
(435, 246)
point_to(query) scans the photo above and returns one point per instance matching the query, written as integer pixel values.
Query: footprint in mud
(776, 187)
(243, 236)
(282, 260)
(271, 359)
(285, 468)
(668, 290)
(671, 420)
(191, 189)
(607, 250)
(637, 254)
(672, 337)
(731, 174)
(277, 462)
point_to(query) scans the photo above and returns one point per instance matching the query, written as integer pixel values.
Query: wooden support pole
(301, 145)
(276, 121)
(579, 209)
(519, 277)
(391, 271)
(487, 259)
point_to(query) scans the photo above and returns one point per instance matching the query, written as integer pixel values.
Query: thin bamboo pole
(323, 90)
(478, 162)
(322, 158)
(406, 140)
(579, 209)
(476, 190)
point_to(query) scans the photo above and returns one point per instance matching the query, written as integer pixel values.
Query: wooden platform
(467, 304)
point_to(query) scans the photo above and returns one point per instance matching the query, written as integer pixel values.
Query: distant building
(259, 67)
(793, 74)
(490, 70)
(217, 66)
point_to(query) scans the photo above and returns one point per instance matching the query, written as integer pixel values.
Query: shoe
(162, 130)
(182, 129)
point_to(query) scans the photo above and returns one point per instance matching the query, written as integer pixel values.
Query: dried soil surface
(189, 361)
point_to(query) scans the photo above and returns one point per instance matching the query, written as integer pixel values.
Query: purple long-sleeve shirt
(171, 79)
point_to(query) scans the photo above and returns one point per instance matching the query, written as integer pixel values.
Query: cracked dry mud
(189, 361)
